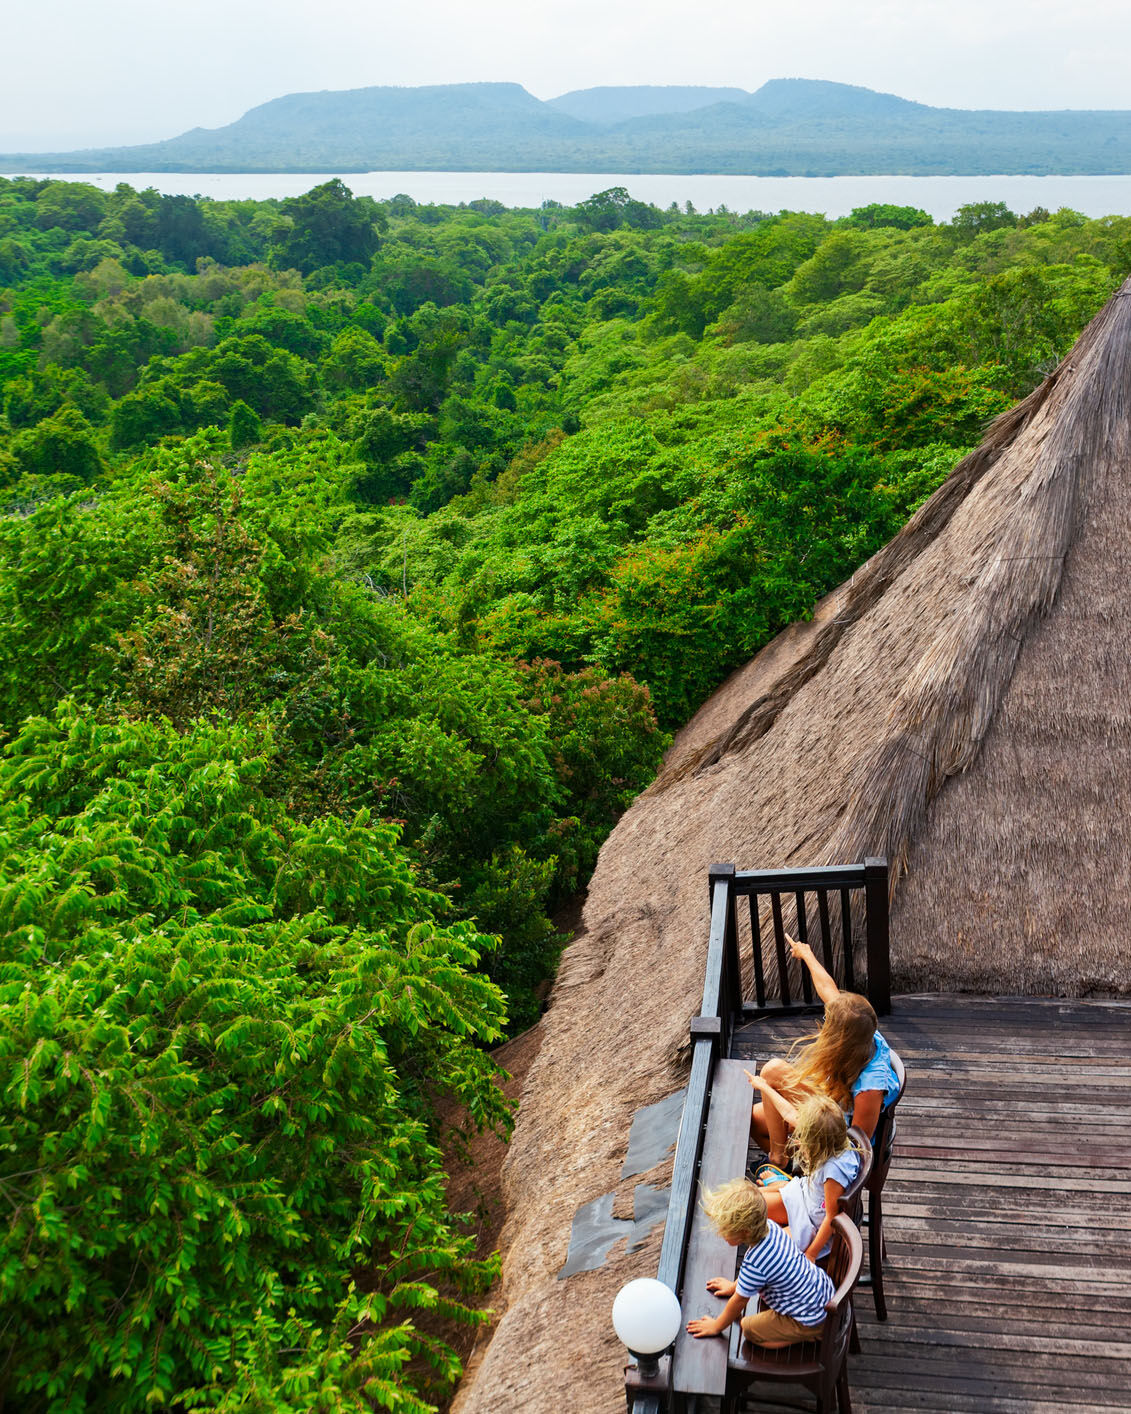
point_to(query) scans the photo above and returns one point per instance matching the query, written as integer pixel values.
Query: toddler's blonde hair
(820, 1133)
(738, 1210)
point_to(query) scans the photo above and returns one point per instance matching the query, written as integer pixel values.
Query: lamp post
(647, 1319)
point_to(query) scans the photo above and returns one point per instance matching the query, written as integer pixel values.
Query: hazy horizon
(128, 72)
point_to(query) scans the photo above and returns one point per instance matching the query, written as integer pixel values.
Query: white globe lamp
(646, 1317)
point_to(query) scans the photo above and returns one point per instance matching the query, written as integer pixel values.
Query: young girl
(847, 1060)
(829, 1162)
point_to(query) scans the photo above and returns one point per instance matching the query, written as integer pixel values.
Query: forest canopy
(357, 560)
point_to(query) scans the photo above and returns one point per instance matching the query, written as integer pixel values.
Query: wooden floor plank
(1007, 1210)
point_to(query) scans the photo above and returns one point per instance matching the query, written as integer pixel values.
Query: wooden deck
(1007, 1210)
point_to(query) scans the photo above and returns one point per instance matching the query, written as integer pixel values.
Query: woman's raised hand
(827, 988)
(755, 1080)
(799, 949)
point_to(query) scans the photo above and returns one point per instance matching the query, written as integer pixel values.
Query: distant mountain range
(789, 127)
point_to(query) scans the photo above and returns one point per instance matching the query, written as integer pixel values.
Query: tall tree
(328, 224)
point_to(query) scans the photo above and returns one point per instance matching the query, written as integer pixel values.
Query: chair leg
(843, 1398)
(876, 1254)
(854, 1335)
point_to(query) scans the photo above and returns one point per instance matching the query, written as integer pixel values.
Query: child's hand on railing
(702, 1326)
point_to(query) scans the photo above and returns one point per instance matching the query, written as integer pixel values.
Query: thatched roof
(963, 706)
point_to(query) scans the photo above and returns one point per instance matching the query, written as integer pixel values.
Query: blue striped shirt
(786, 1279)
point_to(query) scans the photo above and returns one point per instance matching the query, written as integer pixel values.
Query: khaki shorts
(768, 1327)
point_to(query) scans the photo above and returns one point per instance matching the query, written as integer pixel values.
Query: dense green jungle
(357, 560)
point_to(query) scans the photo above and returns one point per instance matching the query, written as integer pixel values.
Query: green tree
(134, 222)
(244, 427)
(977, 217)
(60, 445)
(355, 362)
(605, 746)
(610, 209)
(759, 315)
(838, 266)
(388, 444)
(29, 399)
(420, 380)
(142, 418)
(220, 1032)
(419, 281)
(328, 224)
(15, 258)
(74, 206)
(286, 330)
(879, 213)
(180, 233)
(277, 384)
(66, 592)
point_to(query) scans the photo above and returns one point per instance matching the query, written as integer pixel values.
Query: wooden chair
(852, 1203)
(820, 1365)
(882, 1144)
(852, 1199)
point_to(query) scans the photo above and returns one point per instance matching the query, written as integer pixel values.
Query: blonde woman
(828, 1161)
(847, 1059)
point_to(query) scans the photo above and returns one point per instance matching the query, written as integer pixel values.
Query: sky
(105, 72)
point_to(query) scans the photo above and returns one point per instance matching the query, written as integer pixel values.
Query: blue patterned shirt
(879, 1073)
(786, 1279)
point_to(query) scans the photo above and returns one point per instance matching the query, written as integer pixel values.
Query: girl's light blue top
(879, 1073)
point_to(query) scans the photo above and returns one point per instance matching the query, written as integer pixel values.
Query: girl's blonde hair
(833, 1058)
(820, 1133)
(738, 1210)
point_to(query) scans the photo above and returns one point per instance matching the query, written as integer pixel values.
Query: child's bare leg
(775, 1205)
(783, 1077)
(759, 1128)
(776, 1133)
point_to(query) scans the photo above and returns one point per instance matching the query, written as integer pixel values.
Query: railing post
(649, 1396)
(730, 993)
(879, 958)
(647, 1404)
(734, 961)
(709, 1028)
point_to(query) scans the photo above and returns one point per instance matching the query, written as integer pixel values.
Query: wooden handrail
(786, 881)
(788, 888)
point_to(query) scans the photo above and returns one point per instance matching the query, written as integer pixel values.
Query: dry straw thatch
(961, 706)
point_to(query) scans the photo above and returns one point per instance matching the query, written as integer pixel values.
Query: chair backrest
(884, 1138)
(844, 1268)
(852, 1199)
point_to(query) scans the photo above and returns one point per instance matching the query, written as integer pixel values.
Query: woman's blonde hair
(820, 1133)
(738, 1210)
(833, 1058)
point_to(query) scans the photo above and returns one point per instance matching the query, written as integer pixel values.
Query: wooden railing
(849, 914)
(840, 910)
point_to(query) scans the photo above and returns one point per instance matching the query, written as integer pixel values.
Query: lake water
(835, 196)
